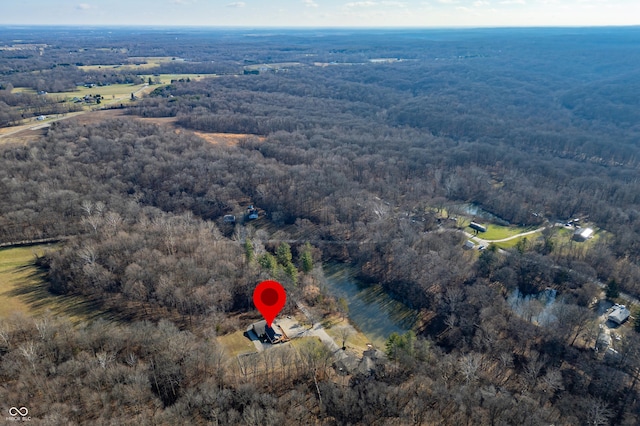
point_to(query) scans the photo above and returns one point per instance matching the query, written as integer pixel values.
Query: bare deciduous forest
(358, 147)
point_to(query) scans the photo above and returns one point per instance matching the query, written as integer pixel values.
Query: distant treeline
(368, 162)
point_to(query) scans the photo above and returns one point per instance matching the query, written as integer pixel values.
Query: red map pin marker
(269, 297)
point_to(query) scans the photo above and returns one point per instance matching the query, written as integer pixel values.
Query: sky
(322, 13)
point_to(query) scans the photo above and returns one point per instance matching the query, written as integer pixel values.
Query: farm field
(118, 92)
(167, 78)
(110, 94)
(134, 63)
(114, 92)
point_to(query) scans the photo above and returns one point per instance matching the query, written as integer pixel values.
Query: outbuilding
(583, 234)
(477, 227)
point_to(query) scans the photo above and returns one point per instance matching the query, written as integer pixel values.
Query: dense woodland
(355, 162)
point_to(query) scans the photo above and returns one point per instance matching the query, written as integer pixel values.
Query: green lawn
(512, 243)
(498, 232)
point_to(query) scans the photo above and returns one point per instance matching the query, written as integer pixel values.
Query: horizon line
(289, 27)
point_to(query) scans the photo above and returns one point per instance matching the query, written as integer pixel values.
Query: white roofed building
(583, 234)
(619, 314)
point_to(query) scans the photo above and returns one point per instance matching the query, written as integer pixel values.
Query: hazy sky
(322, 13)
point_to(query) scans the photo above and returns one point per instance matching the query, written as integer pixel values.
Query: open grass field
(23, 290)
(236, 343)
(511, 243)
(115, 93)
(114, 90)
(275, 66)
(118, 92)
(167, 78)
(133, 64)
(498, 232)
(16, 269)
(24, 90)
(562, 238)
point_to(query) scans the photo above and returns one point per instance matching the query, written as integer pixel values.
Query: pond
(477, 211)
(371, 310)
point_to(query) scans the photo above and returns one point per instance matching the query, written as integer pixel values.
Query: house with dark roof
(266, 333)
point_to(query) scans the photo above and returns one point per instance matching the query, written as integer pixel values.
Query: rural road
(38, 126)
(48, 121)
(484, 242)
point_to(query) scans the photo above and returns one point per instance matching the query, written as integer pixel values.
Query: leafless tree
(598, 412)
(344, 332)
(469, 365)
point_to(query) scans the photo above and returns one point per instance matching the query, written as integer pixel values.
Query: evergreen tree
(267, 261)
(283, 254)
(612, 290)
(292, 272)
(248, 250)
(306, 259)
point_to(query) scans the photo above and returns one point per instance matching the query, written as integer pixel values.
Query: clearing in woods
(134, 63)
(23, 289)
(26, 133)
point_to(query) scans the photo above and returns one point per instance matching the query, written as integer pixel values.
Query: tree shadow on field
(35, 293)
